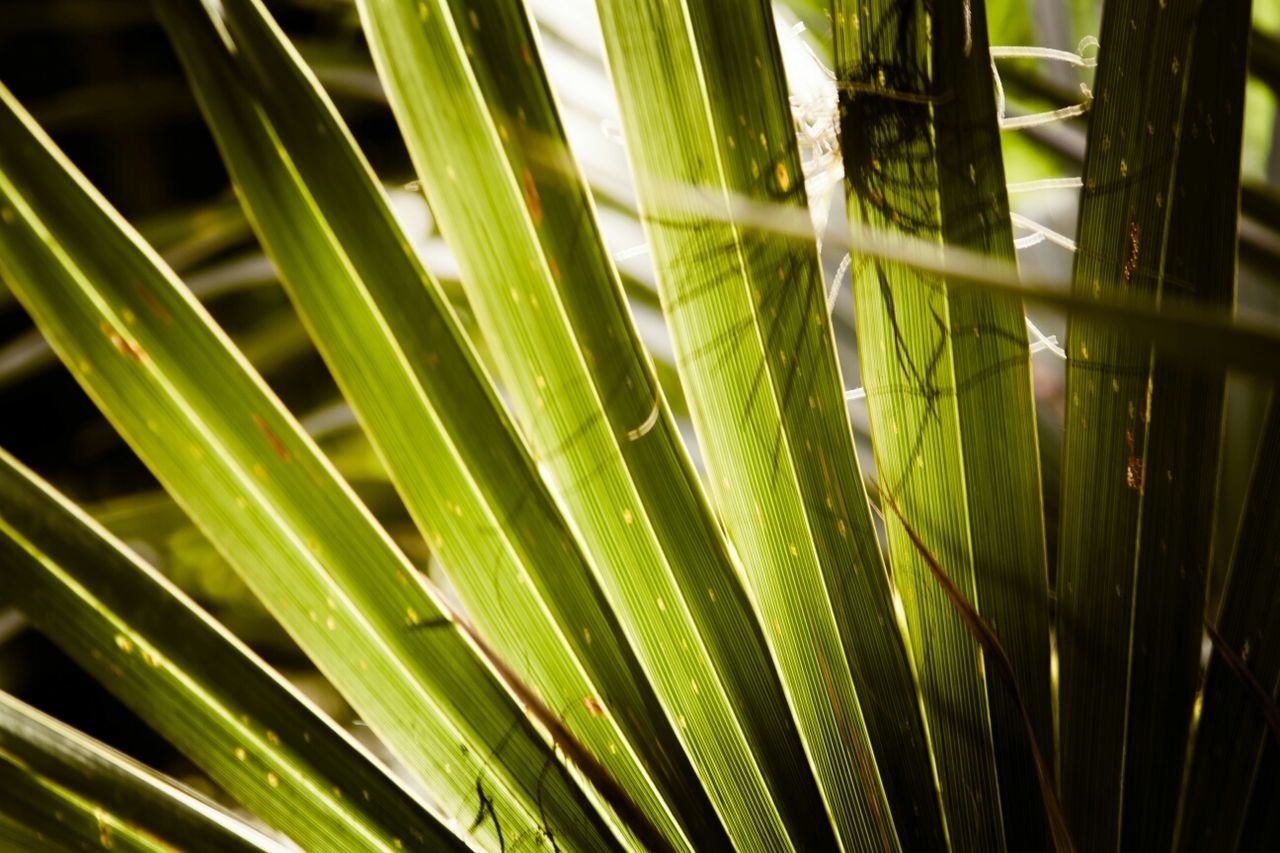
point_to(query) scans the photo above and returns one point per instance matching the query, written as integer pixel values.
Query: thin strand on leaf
(994, 652)
(1266, 704)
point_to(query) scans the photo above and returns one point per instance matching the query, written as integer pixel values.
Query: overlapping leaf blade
(119, 785)
(193, 682)
(238, 463)
(708, 131)
(1232, 732)
(474, 116)
(1141, 443)
(480, 501)
(947, 377)
(57, 818)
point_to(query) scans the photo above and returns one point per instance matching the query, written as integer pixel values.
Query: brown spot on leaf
(531, 199)
(594, 706)
(784, 178)
(1131, 258)
(125, 347)
(153, 304)
(276, 444)
(1134, 466)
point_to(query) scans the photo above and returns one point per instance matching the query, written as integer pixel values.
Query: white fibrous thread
(631, 252)
(612, 131)
(837, 280)
(817, 125)
(1039, 233)
(644, 428)
(817, 116)
(1079, 59)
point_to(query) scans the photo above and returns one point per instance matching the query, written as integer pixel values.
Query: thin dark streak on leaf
(754, 244)
(1266, 704)
(486, 812)
(992, 650)
(613, 793)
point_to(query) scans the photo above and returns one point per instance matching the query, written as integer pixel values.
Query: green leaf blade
(60, 818)
(119, 785)
(241, 466)
(1140, 452)
(747, 311)
(948, 382)
(666, 568)
(422, 396)
(193, 683)
(1225, 771)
